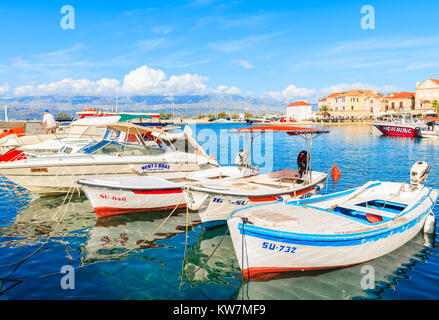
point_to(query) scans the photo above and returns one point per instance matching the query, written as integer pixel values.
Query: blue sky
(286, 49)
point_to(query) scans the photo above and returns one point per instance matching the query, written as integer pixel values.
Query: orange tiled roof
(401, 95)
(298, 103)
(434, 80)
(353, 92)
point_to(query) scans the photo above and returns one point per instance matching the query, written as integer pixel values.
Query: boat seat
(368, 210)
(271, 219)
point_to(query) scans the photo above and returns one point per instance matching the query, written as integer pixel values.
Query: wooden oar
(353, 195)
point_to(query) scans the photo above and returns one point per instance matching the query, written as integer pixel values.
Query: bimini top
(292, 131)
(132, 128)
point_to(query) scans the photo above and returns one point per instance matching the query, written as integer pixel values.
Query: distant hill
(185, 105)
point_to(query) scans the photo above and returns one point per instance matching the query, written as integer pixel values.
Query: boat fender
(430, 224)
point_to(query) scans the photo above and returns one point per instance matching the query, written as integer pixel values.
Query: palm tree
(435, 105)
(324, 110)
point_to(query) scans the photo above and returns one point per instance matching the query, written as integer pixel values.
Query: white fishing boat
(121, 195)
(331, 231)
(58, 173)
(215, 200)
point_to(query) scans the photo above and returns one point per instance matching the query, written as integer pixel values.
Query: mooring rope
(210, 255)
(69, 192)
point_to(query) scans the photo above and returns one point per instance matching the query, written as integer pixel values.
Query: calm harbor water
(154, 271)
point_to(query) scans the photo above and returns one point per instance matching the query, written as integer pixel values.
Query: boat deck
(282, 181)
(338, 215)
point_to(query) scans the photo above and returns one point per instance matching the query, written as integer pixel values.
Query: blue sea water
(154, 271)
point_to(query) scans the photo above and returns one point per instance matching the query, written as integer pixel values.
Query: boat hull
(109, 202)
(59, 179)
(398, 130)
(216, 207)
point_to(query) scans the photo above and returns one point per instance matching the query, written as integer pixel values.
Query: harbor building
(353, 103)
(426, 93)
(400, 101)
(299, 111)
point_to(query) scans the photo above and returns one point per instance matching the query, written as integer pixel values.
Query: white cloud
(227, 46)
(141, 81)
(4, 87)
(146, 81)
(243, 63)
(228, 90)
(292, 93)
(161, 29)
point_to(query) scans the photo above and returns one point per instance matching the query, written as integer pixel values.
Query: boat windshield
(111, 147)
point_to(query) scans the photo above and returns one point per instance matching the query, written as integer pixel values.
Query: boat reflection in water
(114, 235)
(344, 283)
(206, 262)
(48, 216)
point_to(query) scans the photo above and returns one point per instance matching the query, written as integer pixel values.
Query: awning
(127, 116)
(132, 128)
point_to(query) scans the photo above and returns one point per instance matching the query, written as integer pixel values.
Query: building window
(393, 105)
(352, 107)
(401, 104)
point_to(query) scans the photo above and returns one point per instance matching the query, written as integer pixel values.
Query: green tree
(222, 115)
(248, 115)
(324, 108)
(435, 105)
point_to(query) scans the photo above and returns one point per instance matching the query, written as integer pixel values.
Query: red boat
(399, 124)
(399, 130)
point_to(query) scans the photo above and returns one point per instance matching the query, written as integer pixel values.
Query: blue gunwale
(332, 239)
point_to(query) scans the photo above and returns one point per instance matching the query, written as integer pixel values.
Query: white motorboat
(215, 200)
(73, 137)
(121, 195)
(107, 158)
(331, 231)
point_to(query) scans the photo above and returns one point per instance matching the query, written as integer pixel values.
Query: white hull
(141, 194)
(108, 202)
(60, 175)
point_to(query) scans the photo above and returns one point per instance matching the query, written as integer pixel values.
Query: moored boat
(215, 200)
(58, 173)
(121, 195)
(399, 125)
(331, 231)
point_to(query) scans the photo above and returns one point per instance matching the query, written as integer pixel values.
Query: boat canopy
(292, 131)
(128, 116)
(132, 128)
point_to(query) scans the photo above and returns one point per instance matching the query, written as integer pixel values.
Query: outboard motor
(302, 161)
(241, 158)
(419, 173)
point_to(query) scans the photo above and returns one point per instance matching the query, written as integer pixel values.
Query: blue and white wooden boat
(331, 231)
